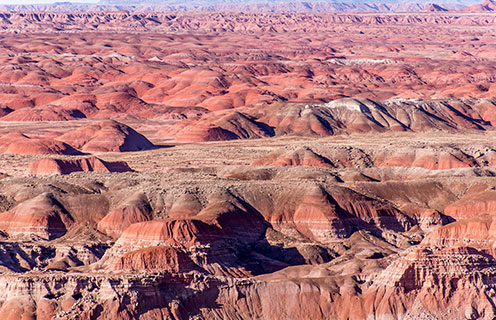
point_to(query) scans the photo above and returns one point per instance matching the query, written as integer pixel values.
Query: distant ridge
(434, 8)
(250, 6)
(486, 6)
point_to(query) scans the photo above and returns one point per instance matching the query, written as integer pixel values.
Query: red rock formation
(167, 232)
(134, 210)
(219, 220)
(205, 132)
(242, 126)
(5, 111)
(219, 230)
(107, 136)
(42, 216)
(299, 120)
(150, 259)
(225, 125)
(51, 166)
(479, 200)
(317, 219)
(8, 138)
(471, 232)
(185, 206)
(425, 158)
(364, 115)
(263, 72)
(336, 117)
(298, 157)
(425, 277)
(18, 308)
(124, 21)
(327, 215)
(201, 234)
(488, 111)
(44, 113)
(18, 143)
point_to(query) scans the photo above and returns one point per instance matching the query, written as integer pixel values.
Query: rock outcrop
(135, 209)
(51, 166)
(477, 201)
(44, 113)
(107, 136)
(150, 259)
(17, 143)
(42, 216)
(425, 158)
(298, 157)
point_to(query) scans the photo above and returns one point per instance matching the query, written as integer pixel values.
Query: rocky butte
(279, 162)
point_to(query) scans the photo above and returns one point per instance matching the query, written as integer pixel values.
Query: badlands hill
(383, 220)
(367, 77)
(485, 6)
(434, 8)
(224, 21)
(249, 165)
(106, 136)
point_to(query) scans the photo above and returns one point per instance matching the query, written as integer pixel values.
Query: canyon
(254, 165)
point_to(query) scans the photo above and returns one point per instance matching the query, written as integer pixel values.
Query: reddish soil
(284, 166)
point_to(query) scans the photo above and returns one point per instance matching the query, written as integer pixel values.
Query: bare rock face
(11, 137)
(51, 166)
(134, 210)
(475, 232)
(107, 136)
(340, 116)
(364, 115)
(161, 258)
(168, 232)
(326, 215)
(316, 218)
(187, 205)
(417, 280)
(424, 277)
(220, 126)
(205, 132)
(17, 143)
(298, 157)
(247, 248)
(44, 113)
(244, 127)
(479, 200)
(299, 120)
(22, 308)
(220, 219)
(430, 158)
(219, 231)
(425, 158)
(139, 240)
(42, 216)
